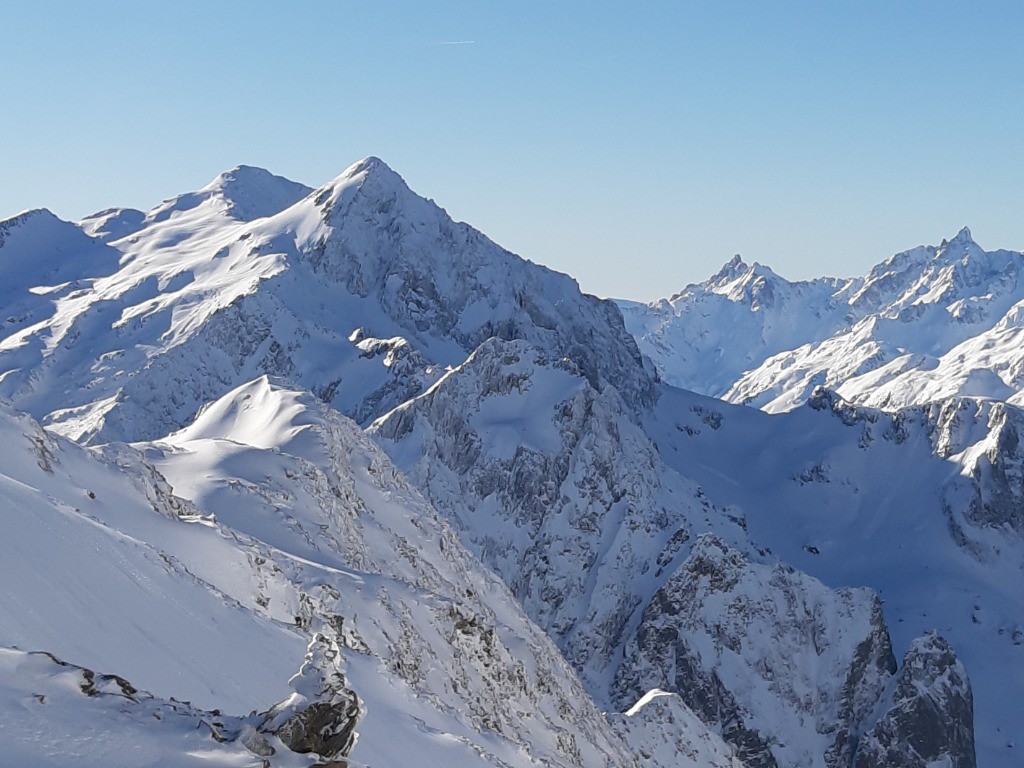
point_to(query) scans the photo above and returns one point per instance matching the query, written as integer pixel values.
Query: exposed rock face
(322, 716)
(872, 666)
(984, 437)
(931, 721)
(442, 278)
(663, 731)
(553, 485)
(728, 635)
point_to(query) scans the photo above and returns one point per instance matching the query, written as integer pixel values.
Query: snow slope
(54, 714)
(406, 638)
(439, 641)
(92, 572)
(650, 533)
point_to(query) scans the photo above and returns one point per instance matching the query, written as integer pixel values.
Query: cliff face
(930, 720)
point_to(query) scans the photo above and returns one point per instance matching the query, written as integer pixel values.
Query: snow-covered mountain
(410, 496)
(921, 500)
(360, 291)
(927, 324)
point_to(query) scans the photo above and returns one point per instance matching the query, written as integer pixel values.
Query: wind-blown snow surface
(53, 714)
(93, 553)
(925, 325)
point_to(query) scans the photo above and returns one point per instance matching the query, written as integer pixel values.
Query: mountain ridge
(921, 325)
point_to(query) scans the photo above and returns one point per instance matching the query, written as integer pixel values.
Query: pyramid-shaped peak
(369, 169)
(370, 179)
(736, 262)
(735, 266)
(370, 164)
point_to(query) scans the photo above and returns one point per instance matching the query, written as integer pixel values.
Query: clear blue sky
(637, 146)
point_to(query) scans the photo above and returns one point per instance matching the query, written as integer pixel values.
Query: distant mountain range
(924, 325)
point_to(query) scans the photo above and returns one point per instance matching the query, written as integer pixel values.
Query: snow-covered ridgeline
(926, 324)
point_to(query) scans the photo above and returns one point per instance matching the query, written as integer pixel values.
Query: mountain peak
(38, 226)
(254, 193)
(26, 215)
(244, 192)
(730, 270)
(370, 178)
(369, 164)
(113, 223)
(239, 175)
(736, 269)
(963, 237)
(369, 169)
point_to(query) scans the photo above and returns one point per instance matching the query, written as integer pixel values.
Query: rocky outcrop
(728, 636)
(872, 666)
(94, 716)
(980, 435)
(985, 437)
(931, 719)
(321, 716)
